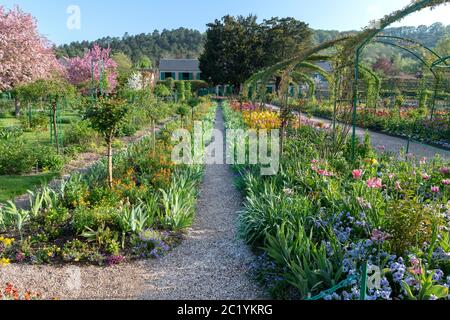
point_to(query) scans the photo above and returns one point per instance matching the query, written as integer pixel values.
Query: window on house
(185, 76)
(168, 75)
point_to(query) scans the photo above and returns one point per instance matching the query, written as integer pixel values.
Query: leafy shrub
(92, 218)
(39, 120)
(47, 159)
(410, 224)
(80, 134)
(15, 158)
(11, 132)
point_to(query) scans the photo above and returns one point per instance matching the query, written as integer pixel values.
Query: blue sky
(113, 17)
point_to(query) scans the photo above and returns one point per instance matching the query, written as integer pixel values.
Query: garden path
(393, 144)
(211, 263)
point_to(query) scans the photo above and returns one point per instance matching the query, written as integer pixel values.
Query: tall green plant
(106, 116)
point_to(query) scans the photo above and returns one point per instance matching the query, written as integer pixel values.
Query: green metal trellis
(419, 5)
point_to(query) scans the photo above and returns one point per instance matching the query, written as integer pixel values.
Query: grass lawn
(13, 186)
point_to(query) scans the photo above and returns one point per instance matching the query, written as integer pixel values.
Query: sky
(64, 21)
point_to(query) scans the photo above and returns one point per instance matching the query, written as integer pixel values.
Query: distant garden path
(211, 263)
(393, 144)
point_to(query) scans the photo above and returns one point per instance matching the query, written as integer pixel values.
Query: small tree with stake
(193, 103)
(182, 111)
(106, 116)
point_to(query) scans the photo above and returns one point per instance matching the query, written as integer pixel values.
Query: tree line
(178, 43)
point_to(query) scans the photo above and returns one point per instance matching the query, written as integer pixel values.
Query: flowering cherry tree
(79, 69)
(25, 55)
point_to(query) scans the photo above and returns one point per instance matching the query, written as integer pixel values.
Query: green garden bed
(323, 217)
(142, 215)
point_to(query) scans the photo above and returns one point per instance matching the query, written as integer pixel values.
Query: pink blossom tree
(79, 69)
(25, 55)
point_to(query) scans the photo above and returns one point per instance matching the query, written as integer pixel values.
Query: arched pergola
(347, 68)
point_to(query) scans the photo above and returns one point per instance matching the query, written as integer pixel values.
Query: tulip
(357, 174)
(375, 183)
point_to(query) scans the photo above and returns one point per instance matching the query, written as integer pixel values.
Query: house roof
(187, 65)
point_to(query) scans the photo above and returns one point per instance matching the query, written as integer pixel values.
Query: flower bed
(323, 217)
(406, 122)
(142, 215)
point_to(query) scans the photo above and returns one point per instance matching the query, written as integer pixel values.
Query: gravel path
(211, 263)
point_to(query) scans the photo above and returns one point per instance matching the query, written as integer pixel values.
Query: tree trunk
(17, 107)
(55, 127)
(110, 162)
(154, 135)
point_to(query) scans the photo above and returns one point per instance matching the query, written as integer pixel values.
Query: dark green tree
(233, 50)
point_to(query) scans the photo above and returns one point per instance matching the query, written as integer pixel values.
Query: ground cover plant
(323, 216)
(141, 213)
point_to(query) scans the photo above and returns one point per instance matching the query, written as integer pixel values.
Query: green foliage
(80, 134)
(181, 89)
(106, 116)
(124, 66)
(428, 289)
(47, 159)
(178, 201)
(162, 91)
(144, 63)
(15, 158)
(410, 224)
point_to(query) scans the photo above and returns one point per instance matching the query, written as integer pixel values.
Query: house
(179, 69)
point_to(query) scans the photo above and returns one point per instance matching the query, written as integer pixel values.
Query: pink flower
(375, 183)
(381, 148)
(325, 173)
(416, 271)
(391, 176)
(425, 177)
(398, 186)
(357, 174)
(446, 182)
(444, 170)
(414, 261)
(435, 189)
(423, 161)
(314, 161)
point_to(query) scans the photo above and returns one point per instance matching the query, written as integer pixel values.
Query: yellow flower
(4, 262)
(373, 162)
(7, 241)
